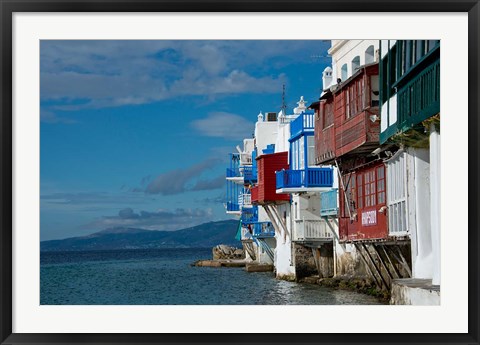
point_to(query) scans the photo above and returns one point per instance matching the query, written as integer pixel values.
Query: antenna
(284, 105)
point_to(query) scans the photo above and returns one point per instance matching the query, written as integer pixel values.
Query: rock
(254, 267)
(207, 263)
(224, 252)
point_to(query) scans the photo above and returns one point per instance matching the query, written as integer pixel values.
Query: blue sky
(136, 133)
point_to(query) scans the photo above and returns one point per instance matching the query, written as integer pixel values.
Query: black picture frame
(8, 7)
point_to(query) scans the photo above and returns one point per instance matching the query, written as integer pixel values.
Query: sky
(137, 133)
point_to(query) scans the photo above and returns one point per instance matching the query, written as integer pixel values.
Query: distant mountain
(206, 235)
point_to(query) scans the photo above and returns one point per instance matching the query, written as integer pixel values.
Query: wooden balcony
(348, 121)
(311, 179)
(325, 131)
(245, 200)
(265, 191)
(303, 123)
(263, 230)
(419, 98)
(312, 231)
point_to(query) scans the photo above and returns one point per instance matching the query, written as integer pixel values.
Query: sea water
(165, 276)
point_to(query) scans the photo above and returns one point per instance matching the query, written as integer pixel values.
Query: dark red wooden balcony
(348, 120)
(265, 190)
(357, 116)
(325, 131)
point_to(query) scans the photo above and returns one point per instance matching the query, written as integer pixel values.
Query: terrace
(309, 179)
(311, 231)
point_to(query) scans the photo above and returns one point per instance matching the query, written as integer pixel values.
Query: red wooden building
(265, 190)
(362, 214)
(347, 118)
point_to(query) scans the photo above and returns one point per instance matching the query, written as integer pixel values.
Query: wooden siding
(324, 132)
(366, 196)
(265, 191)
(352, 132)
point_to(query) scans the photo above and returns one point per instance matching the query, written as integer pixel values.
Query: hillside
(205, 235)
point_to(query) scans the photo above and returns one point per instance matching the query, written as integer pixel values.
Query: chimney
(327, 78)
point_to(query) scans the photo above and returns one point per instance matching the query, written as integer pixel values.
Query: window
(327, 114)
(393, 68)
(371, 187)
(311, 150)
(301, 153)
(344, 72)
(360, 191)
(355, 98)
(384, 79)
(370, 190)
(369, 55)
(355, 64)
(381, 184)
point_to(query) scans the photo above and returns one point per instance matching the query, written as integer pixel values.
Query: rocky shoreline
(364, 286)
(227, 256)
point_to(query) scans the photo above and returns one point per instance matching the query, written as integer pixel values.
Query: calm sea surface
(164, 276)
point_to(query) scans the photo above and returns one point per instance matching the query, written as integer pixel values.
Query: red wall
(324, 134)
(369, 222)
(356, 131)
(267, 165)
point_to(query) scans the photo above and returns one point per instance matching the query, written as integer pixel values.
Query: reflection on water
(159, 277)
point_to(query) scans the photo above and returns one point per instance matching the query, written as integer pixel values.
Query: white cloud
(96, 74)
(224, 125)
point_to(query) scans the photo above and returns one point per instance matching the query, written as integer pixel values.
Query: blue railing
(328, 203)
(249, 173)
(269, 149)
(249, 215)
(232, 206)
(311, 177)
(232, 193)
(304, 122)
(233, 172)
(263, 229)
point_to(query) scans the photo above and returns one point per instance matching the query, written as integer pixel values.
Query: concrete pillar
(419, 212)
(435, 201)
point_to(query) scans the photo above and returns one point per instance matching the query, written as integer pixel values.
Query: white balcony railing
(246, 158)
(311, 230)
(245, 200)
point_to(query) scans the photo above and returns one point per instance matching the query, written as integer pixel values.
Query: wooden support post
(332, 229)
(379, 284)
(407, 268)
(391, 263)
(273, 220)
(280, 221)
(401, 260)
(383, 264)
(377, 269)
(316, 258)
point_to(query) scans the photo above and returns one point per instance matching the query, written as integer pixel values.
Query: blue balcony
(305, 122)
(249, 215)
(232, 194)
(232, 207)
(328, 203)
(263, 229)
(249, 173)
(305, 178)
(233, 172)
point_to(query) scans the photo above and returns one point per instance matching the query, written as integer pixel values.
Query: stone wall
(313, 261)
